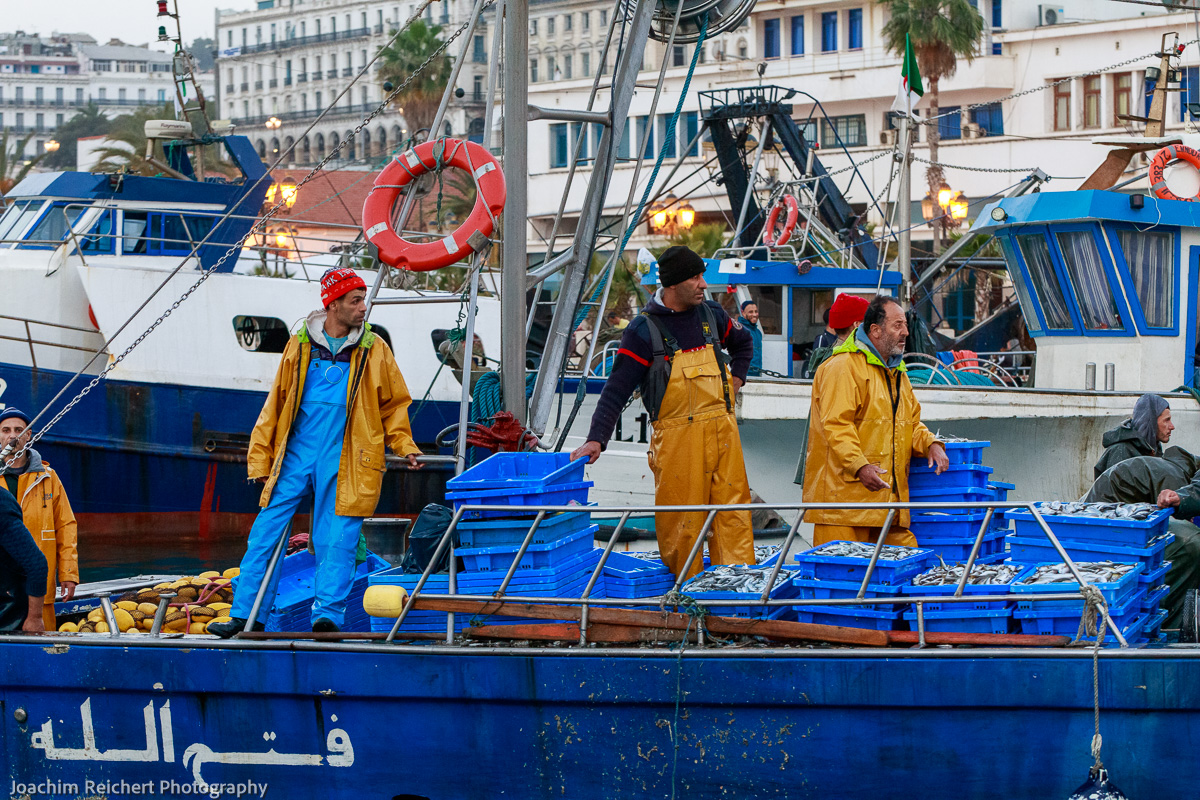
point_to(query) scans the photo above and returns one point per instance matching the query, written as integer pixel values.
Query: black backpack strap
(711, 336)
(663, 347)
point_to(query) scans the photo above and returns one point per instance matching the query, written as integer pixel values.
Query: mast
(516, 176)
(904, 212)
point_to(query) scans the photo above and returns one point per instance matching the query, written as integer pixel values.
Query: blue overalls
(310, 464)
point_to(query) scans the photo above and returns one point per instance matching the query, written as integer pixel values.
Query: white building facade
(833, 54)
(290, 59)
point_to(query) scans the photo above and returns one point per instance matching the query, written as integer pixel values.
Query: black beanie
(677, 264)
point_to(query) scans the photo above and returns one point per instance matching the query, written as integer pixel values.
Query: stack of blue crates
(823, 577)
(1126, 541)
(1061, 617)
(951, 532)
(628, 577)
(559, 559)
(293, 602)
(782, 589)
(978, 616)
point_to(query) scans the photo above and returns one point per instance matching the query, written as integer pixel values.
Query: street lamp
(51, 146)
(273, 123)
(286, 190)
(671, 217)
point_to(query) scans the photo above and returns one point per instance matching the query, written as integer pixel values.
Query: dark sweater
(633, 357)
(21, 562)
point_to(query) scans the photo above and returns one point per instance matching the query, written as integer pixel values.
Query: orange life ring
(403, 170)
(1158, 181)
(793, 210)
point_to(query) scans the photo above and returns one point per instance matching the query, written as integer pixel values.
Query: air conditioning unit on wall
(888, 137)
(1049, 15)
(972, 130)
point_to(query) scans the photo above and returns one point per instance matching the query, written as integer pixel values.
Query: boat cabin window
(1151, 261)
(18, 217)
(1085, 269)
(261, 334)
(769, 300)
(133, 229)
(169, 233)
(1028, 309)
(53, 227)
(1036, 252)
(99, 239)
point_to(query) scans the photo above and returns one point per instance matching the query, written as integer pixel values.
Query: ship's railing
(30, 341)
(674, 597)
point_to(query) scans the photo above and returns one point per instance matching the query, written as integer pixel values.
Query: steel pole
(904, 217)
(516, 176)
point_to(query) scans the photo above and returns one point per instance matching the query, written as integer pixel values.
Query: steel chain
(205, 274)
(972, 169)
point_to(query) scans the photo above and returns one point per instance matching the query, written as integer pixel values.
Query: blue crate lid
(554, 520)
(525, 470)
(924, 470)
(1002, 485)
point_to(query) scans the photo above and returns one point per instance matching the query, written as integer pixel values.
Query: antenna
(189, 97)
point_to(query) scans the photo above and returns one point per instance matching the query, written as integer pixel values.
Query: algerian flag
(911, 91)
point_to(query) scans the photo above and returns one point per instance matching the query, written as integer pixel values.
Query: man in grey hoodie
(1143, 434)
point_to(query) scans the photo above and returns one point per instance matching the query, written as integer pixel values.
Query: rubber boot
(234, 626)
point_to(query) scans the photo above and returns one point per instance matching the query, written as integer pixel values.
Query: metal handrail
(446, 542)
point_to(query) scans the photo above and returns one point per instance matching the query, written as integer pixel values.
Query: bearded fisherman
(865, 428)
(674, 352)
(338, 398)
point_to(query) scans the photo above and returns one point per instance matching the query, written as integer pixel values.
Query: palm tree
(126, 148)
(704, 239)
(941, 31)
(419, 100)
(90, 121)
(13, 166)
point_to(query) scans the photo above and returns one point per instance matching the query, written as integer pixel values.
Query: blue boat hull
(380, 721)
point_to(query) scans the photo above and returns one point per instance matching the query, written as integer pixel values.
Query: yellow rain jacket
(862, 413)
(377, 414)
(49, 517)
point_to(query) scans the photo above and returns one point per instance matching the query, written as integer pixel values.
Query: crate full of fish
(729, 582)
(1115, 581)
(964, 620)
(550, 554)
(297, 590)
(1035, 550)
(628, 577)
(815, 589)
(1057, 621)
(960, 476)
(848, 561)
(950, 494)
(964, 451)
(879, 618)
(984, 580)
(956, 524)
(498, 532)
(1133, 524)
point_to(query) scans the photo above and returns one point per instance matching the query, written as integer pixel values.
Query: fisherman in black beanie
(675, 353)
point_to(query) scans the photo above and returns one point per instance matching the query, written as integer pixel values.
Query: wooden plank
(980, 639)
(569, 632)
(723, 626)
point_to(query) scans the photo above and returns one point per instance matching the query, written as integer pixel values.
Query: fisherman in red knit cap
(840, 318)
(338, 399)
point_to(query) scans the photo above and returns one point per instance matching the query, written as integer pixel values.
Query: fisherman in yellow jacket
(338, 398)
(865, 426)
(45, 507)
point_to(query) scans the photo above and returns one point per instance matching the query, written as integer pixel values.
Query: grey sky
(132, 21)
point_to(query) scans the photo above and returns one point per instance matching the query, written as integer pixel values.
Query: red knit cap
(847, 310)
(337, 282)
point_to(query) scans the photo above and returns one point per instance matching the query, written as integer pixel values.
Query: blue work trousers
(310, 466)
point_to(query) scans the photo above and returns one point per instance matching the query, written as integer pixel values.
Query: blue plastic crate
(970, 589)
(1095, 529)
(970, 476)
(627, 577)
(1153, 599)
(850, 617)
(965, 452)
(512, 471)
(945, 525)
(1001, 489)
(783, 589)
(497, 532)
(1155, 577)
(958, 550)
(837, 568)
(292, 610)
(1039, 550)
(812, 589)
(487, 582)
(967, 620)
(485, 559)
(1065, 621)
(1116, 593)
(557, 495)
(954, 494)
(1153, 627)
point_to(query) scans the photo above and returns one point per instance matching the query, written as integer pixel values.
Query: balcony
(297, 116)
(245, 87)
(304, 41)
(347, 72)
(302, 77)
(258, 85)
(229, 88)
(378, 29)
(332, 73)
(271, 84)
(287, 81)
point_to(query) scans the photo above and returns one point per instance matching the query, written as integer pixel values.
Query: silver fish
(1090, 571)
(863, 550)
(981, 575)
(728, 578)
(1139, 512)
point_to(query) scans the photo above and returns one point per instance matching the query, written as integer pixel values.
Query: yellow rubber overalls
(696, 456)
